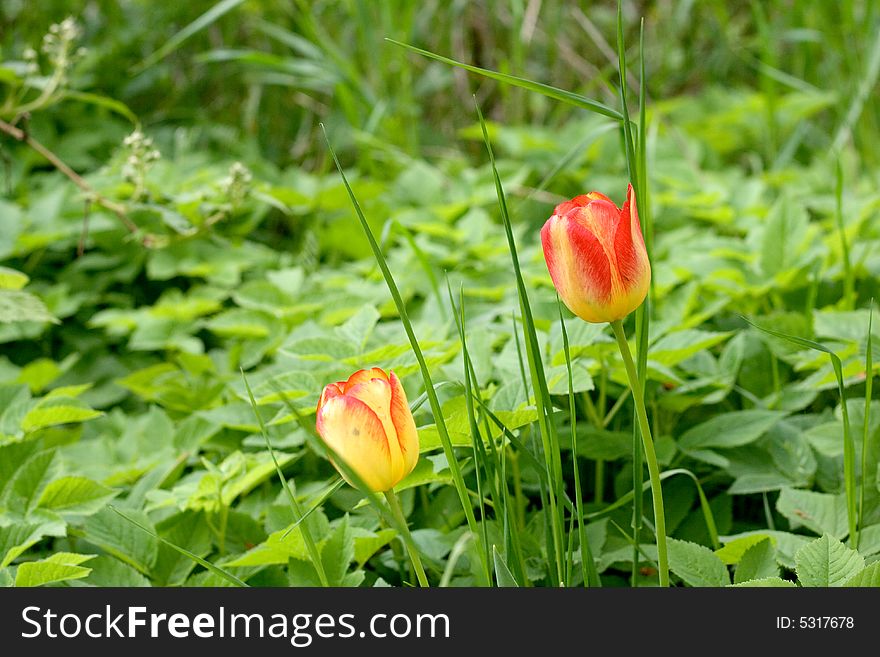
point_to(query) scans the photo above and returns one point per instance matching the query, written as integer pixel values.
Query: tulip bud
(366, 421)
(597, 257)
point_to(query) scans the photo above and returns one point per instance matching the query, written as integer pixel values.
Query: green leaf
(821, 512)
(18, 306)
(124, 540)
(29, 480)
(696, 564)
(57, 411)
(366, 544)
(282, 546)
(11, 279)
(732, 429)
(75, 496)
(758, 562)
(733, 551)
(107, 571)
(60, 567)
(338, 552)
(827, 562)
(783, 234)
(768, 582)
(869, 577)
(18, 537)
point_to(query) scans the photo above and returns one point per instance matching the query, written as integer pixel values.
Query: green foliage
(209, 238)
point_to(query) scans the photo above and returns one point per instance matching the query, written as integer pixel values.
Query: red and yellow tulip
(597, 257)
(366, 421)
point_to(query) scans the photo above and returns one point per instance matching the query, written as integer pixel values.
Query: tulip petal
(330, 391)
(404, 424)
(356, 434)
(377, 394)
(364, 375)
(579, 202)
(629, 246)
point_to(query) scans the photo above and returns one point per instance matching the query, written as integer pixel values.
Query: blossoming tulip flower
(366, 421)
(597, 257)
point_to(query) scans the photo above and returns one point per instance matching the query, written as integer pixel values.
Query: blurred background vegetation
(252, 76)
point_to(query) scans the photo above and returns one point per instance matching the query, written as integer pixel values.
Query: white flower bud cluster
(58, 46)
(141, 154)
(237, 183)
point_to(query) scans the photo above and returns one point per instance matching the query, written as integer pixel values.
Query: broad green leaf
(696, 564)
(768, 582)
(827, 562)
(730, 429)
(338, 552)
(60, 567)
(784, 232)
(869, 577)
(676, 347)
(733, 551)
(282, 546)
(75, 495)
(758, 562)
(29, 480)
(18, 537)
(821, 512)
(10, 279)
(55, 412)
(20, 306)
(122, 539)
(107, 571)
(367, 543)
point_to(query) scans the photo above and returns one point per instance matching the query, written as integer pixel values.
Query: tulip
(599, 265)
(597, 257)
(366, 421)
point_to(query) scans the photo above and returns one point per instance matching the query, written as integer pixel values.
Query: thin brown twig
(91, 195)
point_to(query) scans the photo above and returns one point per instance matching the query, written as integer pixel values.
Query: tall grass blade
(311, 548)
(203, 21)
(229, 577)
(539, 381)
(849, 451)
(538, 87)
(591, 575)
(442, 431)
(866, 421)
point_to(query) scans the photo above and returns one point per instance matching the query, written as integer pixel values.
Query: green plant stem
(648, 444)
(397, 512)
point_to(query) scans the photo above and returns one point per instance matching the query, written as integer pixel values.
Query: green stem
(397, 512)
(648, 444)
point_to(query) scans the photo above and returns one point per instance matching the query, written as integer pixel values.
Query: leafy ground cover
(212, 250)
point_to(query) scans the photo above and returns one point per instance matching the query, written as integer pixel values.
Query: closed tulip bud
(366, 421)
(597, 257)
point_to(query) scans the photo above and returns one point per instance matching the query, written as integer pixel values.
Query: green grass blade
(849, 450)
(311, 548)
(849, 294)
(539, 381)
(538, 87)
(229, 577)
(335, 486)
(591, 576)
(479, 451)
(866, 421)
(442, 432)
(203, 21)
